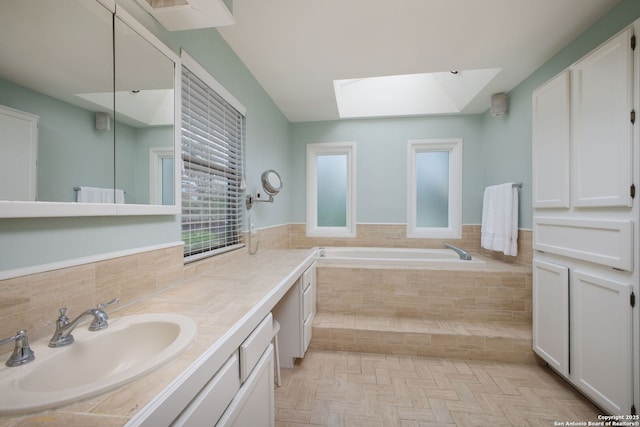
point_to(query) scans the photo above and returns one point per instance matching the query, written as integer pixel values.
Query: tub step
(495, 341)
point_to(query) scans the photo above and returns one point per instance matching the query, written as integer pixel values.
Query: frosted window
(432, 189)
(332, 190)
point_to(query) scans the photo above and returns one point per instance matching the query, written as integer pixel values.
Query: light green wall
(496, 149)
(382, 161)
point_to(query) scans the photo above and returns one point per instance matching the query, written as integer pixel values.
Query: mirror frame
(27, 209)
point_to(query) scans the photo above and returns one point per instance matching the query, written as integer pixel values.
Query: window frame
(454, 147)
(233, 202)
(330, 148)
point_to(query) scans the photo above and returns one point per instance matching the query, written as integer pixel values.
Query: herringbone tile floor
(329, 388)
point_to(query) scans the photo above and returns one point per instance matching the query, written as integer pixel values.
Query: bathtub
(393, 257)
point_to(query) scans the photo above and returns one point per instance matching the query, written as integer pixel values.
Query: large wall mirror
(101, 92)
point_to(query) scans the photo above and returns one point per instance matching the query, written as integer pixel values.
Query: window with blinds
(212, 158)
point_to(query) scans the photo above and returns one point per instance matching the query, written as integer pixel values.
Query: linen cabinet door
(551, 146)
(551, 314)
(601, 343)
(601, 127)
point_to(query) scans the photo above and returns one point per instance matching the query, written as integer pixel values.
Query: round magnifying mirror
(271, 182)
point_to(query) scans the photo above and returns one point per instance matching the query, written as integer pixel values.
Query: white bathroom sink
(129, 348)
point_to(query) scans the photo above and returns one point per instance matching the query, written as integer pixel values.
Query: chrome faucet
(464, 255)
(64, 327)
(22, 353)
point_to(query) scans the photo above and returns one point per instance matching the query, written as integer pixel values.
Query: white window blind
(212, 157)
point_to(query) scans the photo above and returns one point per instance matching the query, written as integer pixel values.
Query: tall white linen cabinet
(586, 159)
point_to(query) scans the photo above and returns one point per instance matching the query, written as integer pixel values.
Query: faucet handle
(22, 353)
(103, 305)
(100, 317)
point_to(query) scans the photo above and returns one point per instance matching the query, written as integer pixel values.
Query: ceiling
(297, 48)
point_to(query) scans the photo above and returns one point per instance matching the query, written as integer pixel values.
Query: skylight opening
(410, 94)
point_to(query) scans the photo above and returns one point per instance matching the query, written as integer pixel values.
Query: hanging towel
(89, 195)
(120, 196)
(110, 195)
(499, 230)
(100, 195)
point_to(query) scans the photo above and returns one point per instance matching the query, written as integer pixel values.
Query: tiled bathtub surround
(483, 314)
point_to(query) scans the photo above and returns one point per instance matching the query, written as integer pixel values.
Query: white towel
(120, 196)
(100, 195)
(89, 195)
(500, 219)
(110, 195)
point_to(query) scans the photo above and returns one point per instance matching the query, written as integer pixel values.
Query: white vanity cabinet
(296, 312)
(212, 401)
(237, 392)
(308, 304)
(585, 224)
(254, 405)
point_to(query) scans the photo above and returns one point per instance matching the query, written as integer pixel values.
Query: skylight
(410, 94)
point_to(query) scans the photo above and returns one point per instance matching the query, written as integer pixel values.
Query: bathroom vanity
(230, 364)
(232, 382)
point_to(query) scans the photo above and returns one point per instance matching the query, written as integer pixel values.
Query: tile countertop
(226, 301)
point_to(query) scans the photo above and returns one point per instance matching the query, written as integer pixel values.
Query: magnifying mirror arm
(251, 200)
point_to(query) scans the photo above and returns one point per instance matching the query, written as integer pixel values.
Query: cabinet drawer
(252, 348)
(308, 277)
(308, 324)
(209, 405)
(308, 302)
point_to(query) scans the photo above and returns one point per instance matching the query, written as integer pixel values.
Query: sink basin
(131, 347)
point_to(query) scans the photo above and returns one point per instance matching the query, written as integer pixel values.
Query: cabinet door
(551, 314)
(551, 134)
(601, 127)
(209, 405)
(254, 404)
(601, 343)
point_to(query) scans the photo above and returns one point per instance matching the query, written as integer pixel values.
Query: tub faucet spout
(464, 255)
